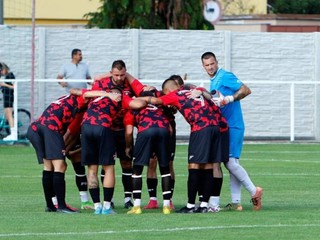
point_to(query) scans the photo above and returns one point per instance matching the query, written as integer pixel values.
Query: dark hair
(117, 88)
(207, 55)
(75, 52)
(118, 64)
(148, 93)
(4, 66)
(177, 78)
(189, 86)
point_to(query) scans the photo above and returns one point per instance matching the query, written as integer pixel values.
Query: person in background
(7, 89)
(74, 70)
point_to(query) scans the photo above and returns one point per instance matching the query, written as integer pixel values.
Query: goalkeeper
(233, 90)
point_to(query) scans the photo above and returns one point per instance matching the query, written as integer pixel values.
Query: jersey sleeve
(126, 101)
(128, 118)
(75, 125)
(98, 84)
(137, 87)
(170, 99)
(232, 82)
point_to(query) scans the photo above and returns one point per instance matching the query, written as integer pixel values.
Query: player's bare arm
(128, 139)
(138, 103)
(151, 100)
(242, 93)
(113, 96)
(63, 84)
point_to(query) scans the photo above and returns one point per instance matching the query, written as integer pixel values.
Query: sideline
(158, 230)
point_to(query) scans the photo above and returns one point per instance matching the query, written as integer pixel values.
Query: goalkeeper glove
(227, 99)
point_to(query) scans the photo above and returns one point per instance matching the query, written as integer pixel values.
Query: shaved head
(169, 85)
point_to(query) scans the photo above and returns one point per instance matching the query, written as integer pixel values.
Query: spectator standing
(74, 70)
(7, 89)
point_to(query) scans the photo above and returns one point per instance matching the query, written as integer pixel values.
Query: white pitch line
(28, 234)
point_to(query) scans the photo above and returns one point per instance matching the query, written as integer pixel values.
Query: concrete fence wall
(267, 62)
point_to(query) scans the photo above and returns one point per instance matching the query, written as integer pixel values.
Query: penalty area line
(4, 235)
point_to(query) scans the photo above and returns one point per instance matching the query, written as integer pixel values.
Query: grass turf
(288, 173)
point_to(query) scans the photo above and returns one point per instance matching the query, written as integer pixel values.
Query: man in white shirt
(74, 70)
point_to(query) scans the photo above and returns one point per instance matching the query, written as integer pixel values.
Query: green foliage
(149, 14)
(295, 6)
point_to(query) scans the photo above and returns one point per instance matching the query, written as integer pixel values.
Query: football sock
(136, 186)
(152, 184)
(54, 201)
(84, 196)
(235, 189)
(207, 184)
(172, 183)
(214, 201)
(59, 185)
(102, 175)
(193, 184)
(202, 183)
(137, 202)
(165, 183)
(217, 185)
(95, 194)
(127, 183)
(81, 178)
(47, 184)
(108, 194)
(241, 174)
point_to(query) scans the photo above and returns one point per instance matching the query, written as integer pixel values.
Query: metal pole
(1, 13)
(33, 58)
(292, 112)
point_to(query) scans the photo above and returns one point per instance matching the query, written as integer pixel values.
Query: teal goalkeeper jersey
(227, 83)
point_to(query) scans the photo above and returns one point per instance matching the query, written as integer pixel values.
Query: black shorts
(48, 144)
(8, 99)
(120, 143)
(152, 140)
(97, 145)
(206, 146)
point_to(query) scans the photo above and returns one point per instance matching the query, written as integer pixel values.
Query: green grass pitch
(288, 173)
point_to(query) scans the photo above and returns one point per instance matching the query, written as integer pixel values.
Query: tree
(295, 6)
(149, 14)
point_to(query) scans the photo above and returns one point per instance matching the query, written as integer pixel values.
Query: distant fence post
(292, 112)
(227, 50)
(317, 87)
(135, 43)
(42, 68)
